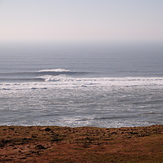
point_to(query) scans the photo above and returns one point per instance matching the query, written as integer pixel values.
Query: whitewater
(73, 86)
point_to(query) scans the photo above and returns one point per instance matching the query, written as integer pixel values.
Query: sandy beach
(81, 145)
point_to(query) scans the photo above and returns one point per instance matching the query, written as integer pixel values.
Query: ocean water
(106, 85)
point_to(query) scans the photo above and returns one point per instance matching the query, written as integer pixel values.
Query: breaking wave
(68, 77)
(41, 75)
(65, 81)
(54, 78)
(54, 70)
(105, 80)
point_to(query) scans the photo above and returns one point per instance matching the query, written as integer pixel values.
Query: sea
(74, 85)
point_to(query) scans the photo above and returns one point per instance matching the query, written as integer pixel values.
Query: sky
(81, 20)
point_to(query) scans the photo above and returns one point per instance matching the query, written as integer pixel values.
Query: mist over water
(102, 86)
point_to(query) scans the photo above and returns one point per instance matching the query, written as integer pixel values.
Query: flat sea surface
(101, 85)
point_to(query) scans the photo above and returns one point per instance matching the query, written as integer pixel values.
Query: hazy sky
(81, 20)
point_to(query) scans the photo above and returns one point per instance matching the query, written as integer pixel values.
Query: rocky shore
(52, 144)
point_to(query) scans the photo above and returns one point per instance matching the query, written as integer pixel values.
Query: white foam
(83, 102)
(62, 81)
(124, 81)
(54, 70)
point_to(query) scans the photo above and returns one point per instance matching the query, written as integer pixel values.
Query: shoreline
(81, 144)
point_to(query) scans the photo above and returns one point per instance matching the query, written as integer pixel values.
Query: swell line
(44, 72)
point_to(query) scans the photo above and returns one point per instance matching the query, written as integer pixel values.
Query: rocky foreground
(81, 145)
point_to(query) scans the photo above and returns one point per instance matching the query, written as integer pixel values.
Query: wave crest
(54, 70)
